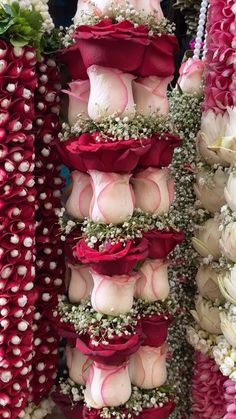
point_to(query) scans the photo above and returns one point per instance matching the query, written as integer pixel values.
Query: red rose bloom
(161, 151)
(155, 329)
(158, 412)
(126, 47)
(162, 242)
(115, 259)
(115, 353)
(84, 153)
(72, 59)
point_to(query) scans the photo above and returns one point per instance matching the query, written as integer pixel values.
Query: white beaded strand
(201, 28)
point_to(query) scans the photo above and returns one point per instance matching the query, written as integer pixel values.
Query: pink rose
(153, 190)
(79, 201)
(113, 295)
(150, 95)
(108, 385)
(153, 283)
(81, 283)
(78, 365)
(112, 197)
(78, 99)
(110, 92)
(191, 72)
(148, 367)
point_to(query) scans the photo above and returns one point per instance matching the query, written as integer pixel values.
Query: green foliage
(20, 26)
(52, 42)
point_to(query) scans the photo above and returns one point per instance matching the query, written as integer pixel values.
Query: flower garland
(17, 295)
(216, 272)
(50, 268)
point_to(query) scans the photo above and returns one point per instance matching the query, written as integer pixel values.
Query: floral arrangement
(213, 337)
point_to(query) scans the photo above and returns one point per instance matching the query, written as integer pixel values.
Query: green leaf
(7, 8)
(179, 89)
(99, 316)
(4, 26)
(19, 41)
(15, 8)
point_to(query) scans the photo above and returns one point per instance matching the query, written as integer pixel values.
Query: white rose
(206, 239)
(153, 283)
(227, 284)
(228, 327)
(78, 365)
(110, 92)
(209, 189)
(78, 203)
(207, 316)
(153, 190)
(227, 144)
(148, 367)
(191, 72)
(148, 7)
(207, 283)
(212, 129)
(113, 295)
(150, 95)
(78, 99)
(230, 191)
(80, 283)
(112, 197)
(108, 385)
(228, 241)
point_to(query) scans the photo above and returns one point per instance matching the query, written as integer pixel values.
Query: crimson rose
(162, 242)
(114, 259)
(155, 329)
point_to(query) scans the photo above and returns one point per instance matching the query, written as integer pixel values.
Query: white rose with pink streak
(78, 99)
(78, 365)
(113, 200)
(108, 385)
(78, 203)
(148, 367)
(80, 283)
(150, 95)
(153, 283)
(148, 7)
(110, 92)
(191, 73)
(153, 190)
(113, 295)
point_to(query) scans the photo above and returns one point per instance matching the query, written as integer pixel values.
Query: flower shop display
(118, 141)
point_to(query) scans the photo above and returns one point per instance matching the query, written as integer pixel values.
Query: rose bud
(206, 239)
(230, 191)
(80, 283)
(228, 325)
(209, 189)
(150, 95)
(78, 365)
(207, 316)
(78, 99)
(191, 73)
(153, 283)
(228, 241)
(79, 201)
(207, 283)
(227, 285)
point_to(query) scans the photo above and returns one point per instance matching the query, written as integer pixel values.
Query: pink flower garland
(17, 200)
(50, 267)
(207, 389)
(230, 399)
(220, 57)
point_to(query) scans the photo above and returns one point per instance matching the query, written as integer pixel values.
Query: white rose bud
(228, 327)
(230, 191)
(228, 241)
(227, 285)
(207, 283)
(210, 189)
(207, 316)
(206, 239)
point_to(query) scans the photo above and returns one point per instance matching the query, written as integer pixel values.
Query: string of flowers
(50, 269)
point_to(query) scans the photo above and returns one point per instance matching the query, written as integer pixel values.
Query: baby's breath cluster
(185, 111)
(226, 216)
(69, 388)
(114, 128)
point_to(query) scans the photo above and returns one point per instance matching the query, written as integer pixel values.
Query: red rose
(126, 47)
(155, 329)
(71, 240)
(115, 259)
(66, 330)
(116, 352)
(161, 151)
(162, 242)
(64, 403)
(158, 412)
(85, 153)
(72, 59)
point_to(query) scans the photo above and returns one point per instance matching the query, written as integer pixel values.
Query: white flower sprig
(201, 340)
(73, 390)
(132, 228)
(226, 216)
(32, 411)
(114, 128)
(225, 356)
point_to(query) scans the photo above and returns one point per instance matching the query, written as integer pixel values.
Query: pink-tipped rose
(79, 201)
(113, 295)
(112, 197)
(78, 365)
(110, 92)
(153, 190)
(108, 385)
(81, 283)
(150, 95)
(148, 367)
(191, 72)
(153, 283)
(78, 99)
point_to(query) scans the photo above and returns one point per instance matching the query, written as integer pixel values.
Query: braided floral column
(213, 240)
(115, 223)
